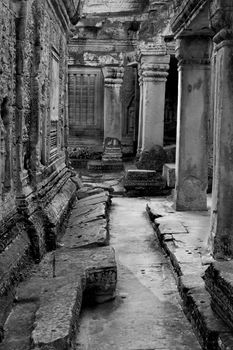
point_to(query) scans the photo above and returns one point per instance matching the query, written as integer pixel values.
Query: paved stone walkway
(146, 314)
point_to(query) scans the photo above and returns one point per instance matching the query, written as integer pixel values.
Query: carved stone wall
(35, 184)
(7, 101)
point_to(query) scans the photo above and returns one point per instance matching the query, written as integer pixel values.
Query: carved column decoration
(193, 54)
(221, 228)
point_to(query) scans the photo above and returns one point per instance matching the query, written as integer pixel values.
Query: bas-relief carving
(94, 59)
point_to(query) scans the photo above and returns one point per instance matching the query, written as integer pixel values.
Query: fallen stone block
(52, 297)
(88, 191)
(169, 173)
(169, 225)
(87, 235)
(17, 328)
(148, 181)
(89, 214)
(57, 316)
(102, 197)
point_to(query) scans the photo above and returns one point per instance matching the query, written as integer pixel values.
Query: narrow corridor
(146, 313)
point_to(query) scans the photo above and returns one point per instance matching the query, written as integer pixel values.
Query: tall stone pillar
(221, 229)
(192, 123)
(113, 79)
(140, 121)
(154, 67)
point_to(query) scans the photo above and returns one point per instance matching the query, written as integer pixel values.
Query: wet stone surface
(146, 313)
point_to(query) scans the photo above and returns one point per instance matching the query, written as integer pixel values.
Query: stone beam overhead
(191, 18)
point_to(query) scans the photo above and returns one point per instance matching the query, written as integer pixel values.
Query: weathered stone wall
(35, 184)
(7, 102)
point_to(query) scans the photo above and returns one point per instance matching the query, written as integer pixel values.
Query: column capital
(154, 72)
(153, 65)
(113, 75)
(193, 50)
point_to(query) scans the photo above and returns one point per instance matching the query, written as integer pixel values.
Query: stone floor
(146, 313)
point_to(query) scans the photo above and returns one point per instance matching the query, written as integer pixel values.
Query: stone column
(154, 68)
(193, 54)
(113, 79)
(140, 121)
(221, 229)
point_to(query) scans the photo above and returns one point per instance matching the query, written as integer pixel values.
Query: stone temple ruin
(99, 83)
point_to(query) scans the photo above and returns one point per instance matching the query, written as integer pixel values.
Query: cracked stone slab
(170, 226)
(87, 214)
(87, 235)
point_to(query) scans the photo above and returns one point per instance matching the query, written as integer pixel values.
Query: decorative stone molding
(113, 76)
(193, 50)
(154, 72)
(152, 49)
